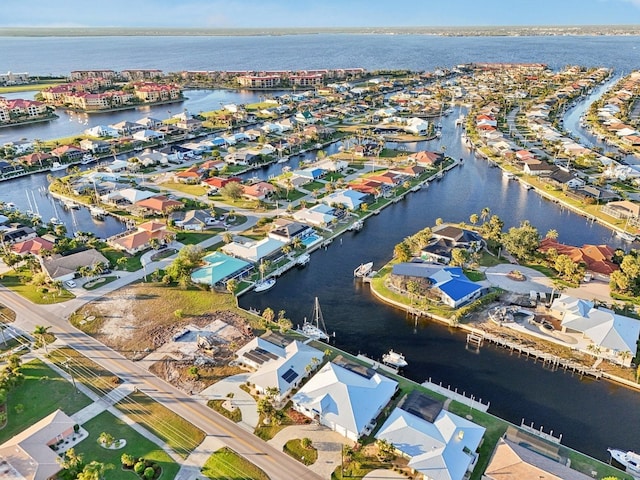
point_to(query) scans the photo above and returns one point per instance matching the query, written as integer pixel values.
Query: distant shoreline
(542, 30)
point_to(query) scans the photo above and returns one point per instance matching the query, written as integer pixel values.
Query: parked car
(70, 284)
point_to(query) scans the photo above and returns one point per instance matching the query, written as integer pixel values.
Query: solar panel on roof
(290, 375)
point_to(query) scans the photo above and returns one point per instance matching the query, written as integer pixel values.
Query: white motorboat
(86, 159)
(264, 285)
(56, 221)
(55, 166)
(303, 260)
(394, 359)
(629, 460)
(363, 270)
(316, 328)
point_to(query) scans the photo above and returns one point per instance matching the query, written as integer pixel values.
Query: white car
(70, 284)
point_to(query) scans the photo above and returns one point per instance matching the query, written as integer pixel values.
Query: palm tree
(40, 331)
(552, 234)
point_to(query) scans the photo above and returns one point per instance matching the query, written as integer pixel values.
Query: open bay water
(591, 415)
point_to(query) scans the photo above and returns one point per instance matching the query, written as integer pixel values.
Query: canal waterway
(516, 387)
(591, 415)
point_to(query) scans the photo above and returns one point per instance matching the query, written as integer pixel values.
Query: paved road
(275, 463)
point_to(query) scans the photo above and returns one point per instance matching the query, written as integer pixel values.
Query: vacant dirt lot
(142, 318)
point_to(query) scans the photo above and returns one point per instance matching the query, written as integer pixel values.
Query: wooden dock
(554, 362)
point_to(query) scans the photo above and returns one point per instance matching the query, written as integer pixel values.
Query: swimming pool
(310, 240)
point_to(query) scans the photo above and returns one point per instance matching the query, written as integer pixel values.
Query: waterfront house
(535, 167)
(17, 234)
(425, 158)
(278, 362)
(149, 123)
(220, 268)
(159, 205)
(63, 268)
(69, 152)
(610, 335)
(450, 284)
(437, 443)
(445, 238)
(145, 135)
(95, 146)
(102, 131)
(349, 199)
(417, 126)
(37, 158)
(241, 157)
(286, 231)
(194, 220)
(33, 246)
(564, 179)
(519, 456)
(29, 454)
(319, 215)
(346, 397)
(126, 196)
(596, 258)
(140, 240)
(126, 127)
(622, 209)
(253, 250)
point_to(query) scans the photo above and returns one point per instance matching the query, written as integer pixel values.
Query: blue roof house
(349, 199)
(455, 288)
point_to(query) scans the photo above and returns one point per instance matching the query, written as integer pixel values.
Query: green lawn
(234, 416)
(99, 282)
(84, 370)
(196, 190)
(30, 87)
(51, 391)
(137, 446)
(227, 464)
(294, 448)
(133, 262)
(18, 281)
(192, 238)
(180, 435)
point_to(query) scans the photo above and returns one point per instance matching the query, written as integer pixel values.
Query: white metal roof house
(278, 362)
(438, 444)
(611, 334)
(252, 250)
(346, 398)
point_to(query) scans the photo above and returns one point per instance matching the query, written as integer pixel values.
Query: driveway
(534, 280)
(241, 399)
(327, 442)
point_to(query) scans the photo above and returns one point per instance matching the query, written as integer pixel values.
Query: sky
(315, 13)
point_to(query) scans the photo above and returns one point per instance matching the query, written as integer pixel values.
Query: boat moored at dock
(394, 359)
(629, 460)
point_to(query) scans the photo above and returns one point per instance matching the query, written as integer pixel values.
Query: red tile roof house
(258, 191)
(140, 240)
(36, 158)
(190, 175)
(160, 205)
(69, 151)
(372, 188)
(387, 178)
(426, 159)
(411, 171)
(33, 246)
(219, 182)
(523, 155)
(597, 258)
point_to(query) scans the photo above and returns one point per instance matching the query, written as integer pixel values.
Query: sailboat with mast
(315, 328)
